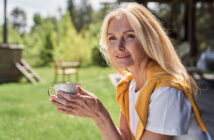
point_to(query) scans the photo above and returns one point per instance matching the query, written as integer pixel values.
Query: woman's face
(124, 48)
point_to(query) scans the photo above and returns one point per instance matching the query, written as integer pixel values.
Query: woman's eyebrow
(128, 31)
(110, 34)
(123, 32)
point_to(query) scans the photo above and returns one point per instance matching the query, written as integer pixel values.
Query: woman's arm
(108, 129)
(148, 135)
(88, 105)
(123, 128)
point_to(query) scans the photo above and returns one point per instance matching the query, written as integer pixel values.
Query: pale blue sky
(44, 7)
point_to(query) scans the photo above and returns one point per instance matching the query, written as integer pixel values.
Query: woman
(156, 95)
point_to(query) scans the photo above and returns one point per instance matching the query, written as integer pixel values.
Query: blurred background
(53, 41)
(49, 29)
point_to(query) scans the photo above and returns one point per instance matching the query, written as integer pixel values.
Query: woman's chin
(123, 65)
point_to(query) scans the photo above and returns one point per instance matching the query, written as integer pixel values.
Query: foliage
(205, 28)
(93, 35)
(13, 35)
(38, 21)
(39, 42)
(100, 15)
(80, 14)
(97, 57)
(75, 35)
(203, 19)
(69, 45)
(18, 19)
(46, 53)
(51, 38)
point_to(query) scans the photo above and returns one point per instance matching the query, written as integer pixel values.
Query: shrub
(97, 57)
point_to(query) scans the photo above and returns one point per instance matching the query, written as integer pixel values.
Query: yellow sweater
(156, 78)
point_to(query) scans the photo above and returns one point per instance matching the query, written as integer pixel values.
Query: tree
(99, 15)
(80, 14)
(37, 19)
(18, 19)
(69, 44)
(46, 53)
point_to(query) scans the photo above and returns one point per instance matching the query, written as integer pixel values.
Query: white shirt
(170, 113)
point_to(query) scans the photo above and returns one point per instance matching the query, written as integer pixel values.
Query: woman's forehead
(119, 24)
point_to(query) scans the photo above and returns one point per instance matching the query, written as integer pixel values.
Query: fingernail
(52, 97)
(59, 92)
(78, 89)
(59, 96)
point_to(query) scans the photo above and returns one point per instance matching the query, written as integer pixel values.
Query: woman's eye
(111, 38)
(130, 36)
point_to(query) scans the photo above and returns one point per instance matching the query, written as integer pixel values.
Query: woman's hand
(83, 104)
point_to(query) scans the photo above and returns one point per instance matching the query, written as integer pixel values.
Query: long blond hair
(153, 38)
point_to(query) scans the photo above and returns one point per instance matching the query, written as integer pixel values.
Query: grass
(26, 114)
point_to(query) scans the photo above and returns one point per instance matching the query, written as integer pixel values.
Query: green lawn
(26, 114)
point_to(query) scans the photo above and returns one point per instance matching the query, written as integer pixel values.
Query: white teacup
(69, 88)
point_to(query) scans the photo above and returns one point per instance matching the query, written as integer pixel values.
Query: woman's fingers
(81, 100)
(53, 96)
(59, 101)
(63, 101)
(59, 105)
(69, 97)
(65, 111)
(84, 104)
(81, 91)
(72, 112)
(69, 106)
(84, 92)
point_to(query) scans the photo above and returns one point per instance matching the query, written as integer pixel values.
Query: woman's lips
(122, 56)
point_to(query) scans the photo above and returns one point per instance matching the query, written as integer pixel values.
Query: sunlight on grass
(26, 113)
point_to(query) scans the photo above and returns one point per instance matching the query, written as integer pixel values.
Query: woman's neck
(139, 73)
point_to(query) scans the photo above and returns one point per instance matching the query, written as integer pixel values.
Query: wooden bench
(65, 69)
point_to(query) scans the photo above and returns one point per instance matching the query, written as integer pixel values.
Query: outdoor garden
(27, 114)
(25, 110)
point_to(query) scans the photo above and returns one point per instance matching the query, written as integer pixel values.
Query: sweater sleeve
(169, 112)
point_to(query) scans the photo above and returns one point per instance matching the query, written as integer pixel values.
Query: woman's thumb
(84, 92)
(81, 91)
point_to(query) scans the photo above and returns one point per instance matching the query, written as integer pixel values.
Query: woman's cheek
(110, 51)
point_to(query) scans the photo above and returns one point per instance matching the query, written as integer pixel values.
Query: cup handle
(49, 90)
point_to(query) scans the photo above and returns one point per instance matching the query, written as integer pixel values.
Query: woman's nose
(121, 44)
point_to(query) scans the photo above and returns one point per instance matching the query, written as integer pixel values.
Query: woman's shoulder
(169, 111)
(168, 93)
(161, 78)
(170, 99)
